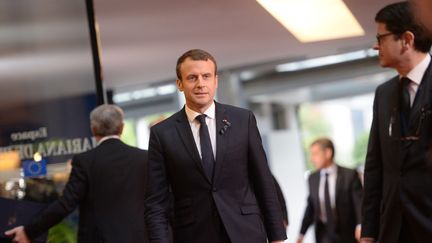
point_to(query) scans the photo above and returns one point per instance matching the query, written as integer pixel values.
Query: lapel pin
(225, 127)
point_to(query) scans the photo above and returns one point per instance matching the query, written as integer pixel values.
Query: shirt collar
(210, 112)
(332, 169)
(108, 137)
(416, 74)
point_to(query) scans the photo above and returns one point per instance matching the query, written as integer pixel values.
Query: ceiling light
(314, 20)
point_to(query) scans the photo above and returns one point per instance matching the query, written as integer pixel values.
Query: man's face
(423, 13)
(199, 83)
(388, 46)
(320, 157)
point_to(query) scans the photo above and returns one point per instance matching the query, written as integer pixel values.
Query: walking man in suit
(107, 183)
(334, 201)
(210, 156)
(398, 171)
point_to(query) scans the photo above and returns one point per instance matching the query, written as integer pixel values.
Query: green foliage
(62, 233)
(129, 134)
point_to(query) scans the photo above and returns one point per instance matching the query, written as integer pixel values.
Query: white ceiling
(141, 40)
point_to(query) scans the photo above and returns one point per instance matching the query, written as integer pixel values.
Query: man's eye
(191, 78)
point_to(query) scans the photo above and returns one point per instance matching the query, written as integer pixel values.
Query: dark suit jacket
(108, 184)
(398, 174)
(348, 205)
(242, 192)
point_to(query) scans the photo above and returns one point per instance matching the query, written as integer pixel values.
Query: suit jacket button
(214, 189)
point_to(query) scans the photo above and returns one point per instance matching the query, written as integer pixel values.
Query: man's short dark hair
(324, 143)
(196, 55)
(399, 18)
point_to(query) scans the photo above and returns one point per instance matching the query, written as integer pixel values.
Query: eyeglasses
(380, 36)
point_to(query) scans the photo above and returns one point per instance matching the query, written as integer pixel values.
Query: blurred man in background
(334, 201)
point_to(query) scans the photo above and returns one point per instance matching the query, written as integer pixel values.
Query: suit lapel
(185, 132)
(221, 137)
(422, 97)
(395, 124)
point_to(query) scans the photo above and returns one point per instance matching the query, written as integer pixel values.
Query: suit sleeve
(264, 186)
(372, 179)
(308, 216)
(356, 196)
(157, 202)
(73, 193)
(282, 202)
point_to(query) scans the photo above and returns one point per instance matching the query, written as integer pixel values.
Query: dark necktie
(405, 101)
(206, 147)
(327, 203)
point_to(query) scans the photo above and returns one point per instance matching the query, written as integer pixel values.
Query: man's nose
(200, 81)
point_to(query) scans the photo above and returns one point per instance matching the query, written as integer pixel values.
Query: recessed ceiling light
(314, 20)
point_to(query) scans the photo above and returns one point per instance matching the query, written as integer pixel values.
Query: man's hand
(367, 240)
(19, 235)
(300, 239)
(285, 223)
(357, 233)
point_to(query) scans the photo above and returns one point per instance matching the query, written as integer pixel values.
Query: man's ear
(328, 153)
(408, 39)
(120, 131)
(179, 85)
(217, 80)
(93, 130)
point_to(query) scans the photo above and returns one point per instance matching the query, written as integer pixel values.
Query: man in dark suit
(211, 157)
(334, 201)
(398, 171)
(107, 183)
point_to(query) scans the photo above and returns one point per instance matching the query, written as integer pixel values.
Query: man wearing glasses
(397, 205)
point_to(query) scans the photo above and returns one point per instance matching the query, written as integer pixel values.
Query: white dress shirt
(195, 126)
(332, 176)
(416, 76)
